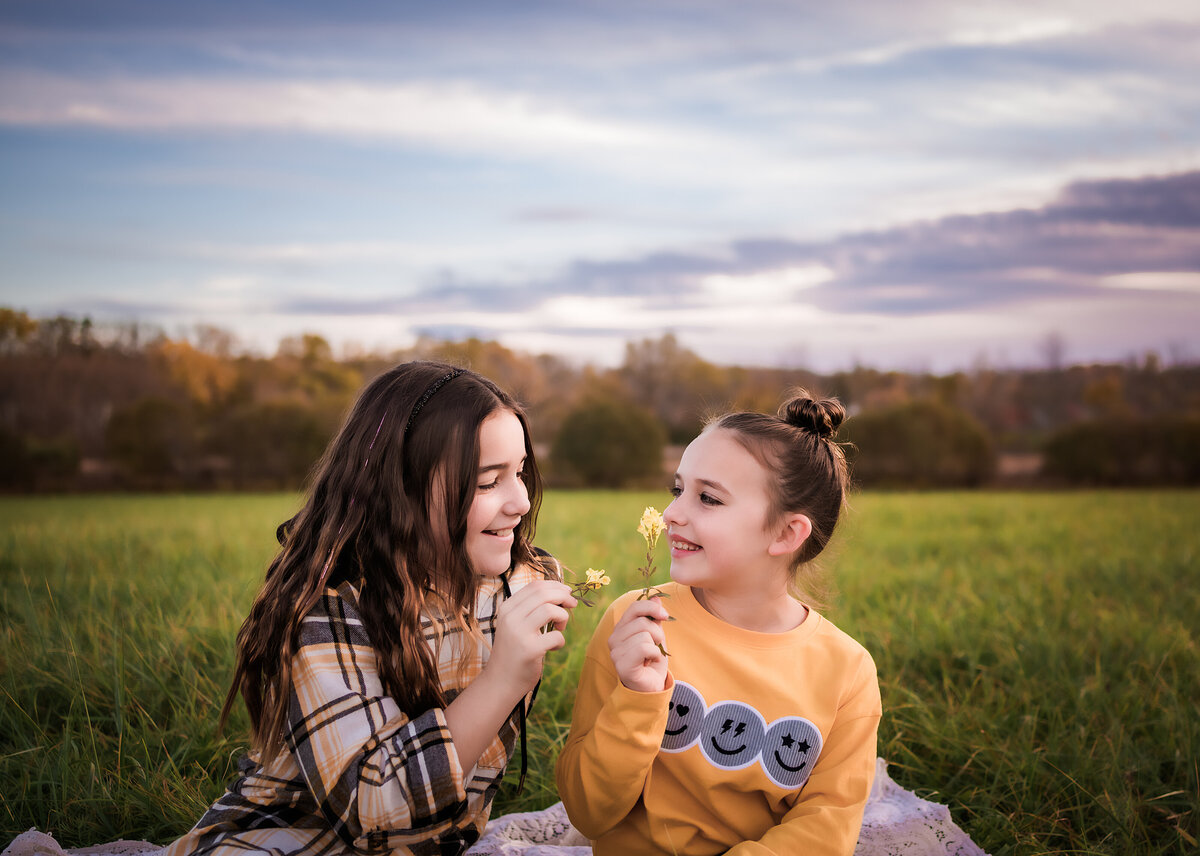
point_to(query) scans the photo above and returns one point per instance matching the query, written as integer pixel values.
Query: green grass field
(1037, 654)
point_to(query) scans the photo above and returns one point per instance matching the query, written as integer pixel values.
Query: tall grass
(1037, 655)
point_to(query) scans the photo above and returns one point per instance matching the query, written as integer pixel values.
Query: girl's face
(717, 523)
(501, 499)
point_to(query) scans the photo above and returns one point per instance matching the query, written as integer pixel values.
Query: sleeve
(380, 779)
(615, 737)
(827, 817)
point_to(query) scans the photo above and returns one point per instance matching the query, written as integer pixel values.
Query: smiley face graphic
(731, 735)
(685, 713)
(790, 749)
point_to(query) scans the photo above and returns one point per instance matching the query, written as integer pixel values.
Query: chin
(492, 566)
(680, 575)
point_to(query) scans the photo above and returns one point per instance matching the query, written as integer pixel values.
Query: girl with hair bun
(731, 717)
(391, 656)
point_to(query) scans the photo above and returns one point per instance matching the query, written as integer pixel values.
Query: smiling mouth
(723, 751)
(788, 767)
(499, 533)
(671, 733)
(686, 546)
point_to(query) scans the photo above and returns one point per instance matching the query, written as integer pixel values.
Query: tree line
(128, 407)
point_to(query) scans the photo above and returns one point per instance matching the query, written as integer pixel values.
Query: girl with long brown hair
(391, 656)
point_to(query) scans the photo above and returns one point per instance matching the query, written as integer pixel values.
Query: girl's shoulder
(335, 616)
(840, 645)
(541, 566)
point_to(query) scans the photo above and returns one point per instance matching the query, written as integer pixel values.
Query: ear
(790, 534)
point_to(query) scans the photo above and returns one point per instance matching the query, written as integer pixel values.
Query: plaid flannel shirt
(356, 774)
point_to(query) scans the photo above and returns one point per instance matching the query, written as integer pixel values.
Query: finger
(542, 591)
(622, 635)
(636, 651)
(549, 613)
(660, 612)
(652, 630)
(639, 656)
(652, 609)
(551, 640)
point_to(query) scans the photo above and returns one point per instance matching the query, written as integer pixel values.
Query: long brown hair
(409, 445)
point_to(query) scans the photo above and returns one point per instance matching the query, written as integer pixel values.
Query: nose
(671, 515)
(516, 500)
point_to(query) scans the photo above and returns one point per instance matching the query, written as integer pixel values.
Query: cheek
(480, 512)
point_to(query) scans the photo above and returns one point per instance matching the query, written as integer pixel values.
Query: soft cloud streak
(443, 113)
(863, 179)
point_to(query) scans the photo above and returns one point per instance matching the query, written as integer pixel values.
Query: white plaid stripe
(356, 772)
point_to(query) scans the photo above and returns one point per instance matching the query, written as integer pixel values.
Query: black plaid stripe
(407, 762)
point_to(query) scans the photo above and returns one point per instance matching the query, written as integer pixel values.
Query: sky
(924, 185)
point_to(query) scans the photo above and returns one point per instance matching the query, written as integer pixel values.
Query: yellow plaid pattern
(356, 774)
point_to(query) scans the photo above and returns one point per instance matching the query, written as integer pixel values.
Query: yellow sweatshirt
(761, 743)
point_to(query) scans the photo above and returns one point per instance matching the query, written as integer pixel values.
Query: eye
(709, 499)
(490, 485)
(675, 491)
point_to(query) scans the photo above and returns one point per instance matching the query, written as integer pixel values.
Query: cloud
(452, 115)
(1172, 201)
(1094, 230)
(747, 174)
(557, 214)
(1094, 233)
(1095, 240)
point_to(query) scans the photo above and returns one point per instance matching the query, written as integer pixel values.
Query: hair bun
(820, 417)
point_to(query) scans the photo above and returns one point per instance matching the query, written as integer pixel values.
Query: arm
(827, 817)
(381, 780)
(366, 764)
(615, 730)
(513, 669)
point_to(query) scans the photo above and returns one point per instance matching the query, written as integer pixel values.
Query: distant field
(1037, 652)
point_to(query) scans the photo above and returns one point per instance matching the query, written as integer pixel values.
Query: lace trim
(896, 822)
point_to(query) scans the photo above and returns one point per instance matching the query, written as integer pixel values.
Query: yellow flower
(651, 526)
(596, 580)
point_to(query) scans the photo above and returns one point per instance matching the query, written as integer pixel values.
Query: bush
(30, 463)
(919, 444)
(608, 442)
(1127, 451)
(153, 440)
(16, 462)
(271, 445)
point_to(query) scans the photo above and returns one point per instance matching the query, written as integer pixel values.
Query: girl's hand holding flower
(636, 645)
(528, 626)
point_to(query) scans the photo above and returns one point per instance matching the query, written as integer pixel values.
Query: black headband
(428, 394)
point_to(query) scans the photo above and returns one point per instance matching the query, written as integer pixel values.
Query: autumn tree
(608, 440)
(674, 383)
(154, 441)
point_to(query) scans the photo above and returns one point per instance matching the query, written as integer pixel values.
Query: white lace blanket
(896, 822)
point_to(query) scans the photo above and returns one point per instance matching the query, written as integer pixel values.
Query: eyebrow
(490, 467)
(708, 483)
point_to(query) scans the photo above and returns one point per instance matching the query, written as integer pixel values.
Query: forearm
(602, 770)
(476, 715)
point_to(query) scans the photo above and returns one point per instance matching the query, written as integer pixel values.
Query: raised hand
(528, 625)
(637, 646)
